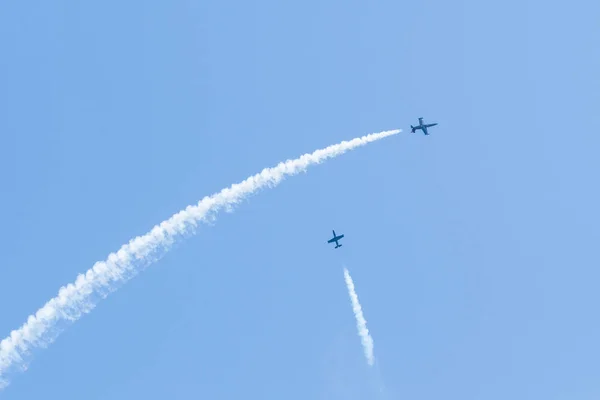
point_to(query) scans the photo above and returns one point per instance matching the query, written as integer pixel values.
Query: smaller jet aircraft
(422, 126)
(335, 239)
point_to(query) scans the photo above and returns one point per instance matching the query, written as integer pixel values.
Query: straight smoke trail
(361, 323)
(80, 297)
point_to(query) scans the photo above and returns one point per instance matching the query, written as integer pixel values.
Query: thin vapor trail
(361, 323)
(80, 297)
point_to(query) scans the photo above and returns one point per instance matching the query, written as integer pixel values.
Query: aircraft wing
(339, 237)
(331, 240)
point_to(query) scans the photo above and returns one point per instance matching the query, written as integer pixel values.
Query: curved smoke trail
(80, 297)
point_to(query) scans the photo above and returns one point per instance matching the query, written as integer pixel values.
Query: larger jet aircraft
(335, 239)
(422, 126)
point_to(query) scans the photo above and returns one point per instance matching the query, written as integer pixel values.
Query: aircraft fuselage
(422, 127)
(335, 240)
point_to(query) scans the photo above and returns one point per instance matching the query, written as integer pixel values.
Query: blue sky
(472, 250)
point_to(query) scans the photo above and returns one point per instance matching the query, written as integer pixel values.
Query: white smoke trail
(361, 323)
(80, 297)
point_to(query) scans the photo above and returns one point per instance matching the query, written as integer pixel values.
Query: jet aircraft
(335, 239)
(422, 126)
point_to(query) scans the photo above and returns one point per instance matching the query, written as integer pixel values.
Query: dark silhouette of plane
(422, 126)
(335, 239)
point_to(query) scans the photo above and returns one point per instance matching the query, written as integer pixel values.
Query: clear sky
(473, 250)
